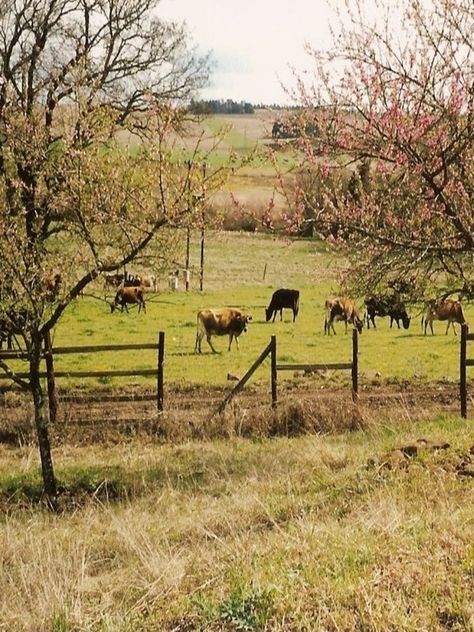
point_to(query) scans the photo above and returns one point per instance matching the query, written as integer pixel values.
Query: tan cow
(149, 281)
(220, 322)
(447, 309)
(341, 309)
(128, 296)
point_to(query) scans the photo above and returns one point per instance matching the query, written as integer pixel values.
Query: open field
(336, 533)
(326, 526)
(235, 265)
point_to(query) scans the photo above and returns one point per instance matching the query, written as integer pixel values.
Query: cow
(148, 281)
(11, 324)
(128, 296)
(341, 309)
(220, 322)
(125, 280)
(52, 284)
(443, 309)
(280, 299)
(386, 305)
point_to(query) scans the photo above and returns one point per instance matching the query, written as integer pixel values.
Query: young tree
(395, 104)
(75, 74)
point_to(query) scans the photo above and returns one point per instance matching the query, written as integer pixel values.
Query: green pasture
(234, 276)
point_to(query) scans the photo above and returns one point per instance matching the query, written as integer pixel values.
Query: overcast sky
(253, 42)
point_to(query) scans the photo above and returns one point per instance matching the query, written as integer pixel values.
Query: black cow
(386, 305)
(281, 299)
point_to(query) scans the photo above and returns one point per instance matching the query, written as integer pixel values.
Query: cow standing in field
(220, 322)
(341, 309)
(283, 298)
(125, 280)
(128, 296)
(387, 305)
(11, 324)
(447, 309)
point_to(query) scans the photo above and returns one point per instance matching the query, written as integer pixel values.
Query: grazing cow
(113, 280)
(52, 284)
(386, 305)
(10, 325)
(220, 322)
(447, 309)
(149, 281)
(341, 309)
(280, 299)
(128, 296)
(126, 280)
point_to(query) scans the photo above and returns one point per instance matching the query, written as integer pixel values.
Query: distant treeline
(228, 106)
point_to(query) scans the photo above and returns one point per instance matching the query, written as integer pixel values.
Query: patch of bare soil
(191, 411)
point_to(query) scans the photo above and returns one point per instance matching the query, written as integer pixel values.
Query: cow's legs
(197, 344)
(450, 322)
(281, 314)
(208, 338)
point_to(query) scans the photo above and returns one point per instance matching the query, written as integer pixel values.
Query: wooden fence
(464, 362)
(51, 375)
(271, 350)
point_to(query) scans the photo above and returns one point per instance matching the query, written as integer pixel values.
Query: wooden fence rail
(271, 349)
(50, 374)
(464, 362)
(336, 366)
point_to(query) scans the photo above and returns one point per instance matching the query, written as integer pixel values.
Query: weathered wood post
(273, 356)
(355, 366)
(462, 370)
(52, 395)
(160, 378)
(188, 244)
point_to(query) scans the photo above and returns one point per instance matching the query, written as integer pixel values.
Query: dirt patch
(190, 411)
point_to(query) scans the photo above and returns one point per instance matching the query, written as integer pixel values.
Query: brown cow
(447, 309)
(220, 322)
(341, 309)
(52, 284)
(128, 296)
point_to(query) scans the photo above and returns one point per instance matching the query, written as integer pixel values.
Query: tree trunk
(42, 426)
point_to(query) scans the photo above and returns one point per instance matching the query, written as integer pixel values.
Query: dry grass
(306, 533)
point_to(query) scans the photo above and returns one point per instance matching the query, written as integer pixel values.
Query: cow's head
(243, 321)
(268, 313)
(405, 320)
(358, 323)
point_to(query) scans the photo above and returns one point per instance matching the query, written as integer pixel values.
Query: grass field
(285, 535)
(235, 265)
(331, 527)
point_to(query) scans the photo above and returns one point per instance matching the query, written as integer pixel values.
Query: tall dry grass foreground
(317, 532)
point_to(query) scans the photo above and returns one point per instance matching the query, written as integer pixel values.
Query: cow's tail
(297, 304)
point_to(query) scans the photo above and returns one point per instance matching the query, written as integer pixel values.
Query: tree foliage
(397, 104)
(81, 82)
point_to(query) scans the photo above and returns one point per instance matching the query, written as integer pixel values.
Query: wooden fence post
(160, 380)
(355, 365)
(52, 395)
(274, 371)
(462, 371)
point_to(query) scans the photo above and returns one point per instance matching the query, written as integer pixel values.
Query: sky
(253, 42)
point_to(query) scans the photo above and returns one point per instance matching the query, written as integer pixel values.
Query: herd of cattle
(233, 322)
(130, 290)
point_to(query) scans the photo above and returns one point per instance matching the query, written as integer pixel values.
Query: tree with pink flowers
(394, 159)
